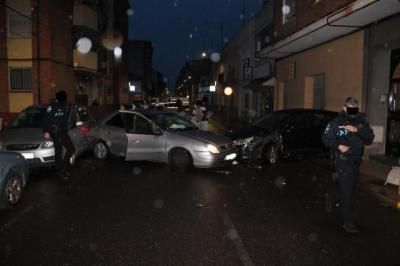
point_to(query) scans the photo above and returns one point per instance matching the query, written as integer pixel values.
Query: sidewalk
(373, 171)
(373, 175)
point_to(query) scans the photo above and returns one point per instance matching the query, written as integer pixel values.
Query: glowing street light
(228, 91)
(204, 54)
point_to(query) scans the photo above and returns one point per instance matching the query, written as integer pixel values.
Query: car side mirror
(157, 131)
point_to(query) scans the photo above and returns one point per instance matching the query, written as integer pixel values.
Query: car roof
(305, 110)
(147, 112)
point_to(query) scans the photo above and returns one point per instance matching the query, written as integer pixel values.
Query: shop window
(21, 79)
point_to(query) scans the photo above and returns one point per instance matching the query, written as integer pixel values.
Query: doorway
(393, 123)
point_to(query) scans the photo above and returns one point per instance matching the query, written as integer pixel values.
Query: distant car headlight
(48, 144)
(240, 142)
(211, 148)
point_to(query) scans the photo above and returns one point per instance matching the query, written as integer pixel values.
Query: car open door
(144, 142)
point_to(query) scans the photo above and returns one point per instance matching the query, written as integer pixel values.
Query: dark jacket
(56, 118)
(335, 134)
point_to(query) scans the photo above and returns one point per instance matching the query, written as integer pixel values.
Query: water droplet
(137, 170)
(129, 12)
(83, 45)
(215, 57)
(280, 182)
(93, 247)
(158, 204)
(232, 234)
(312, 237)
(285, 9)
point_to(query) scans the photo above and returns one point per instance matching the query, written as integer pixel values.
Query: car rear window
(271, 121)
(29, 118)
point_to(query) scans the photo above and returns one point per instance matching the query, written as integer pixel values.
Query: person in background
(197, 113)
(55, 128)
(346, 135)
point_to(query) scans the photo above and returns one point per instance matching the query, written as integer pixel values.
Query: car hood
(22, 136)
(206, 137)
(247, 132)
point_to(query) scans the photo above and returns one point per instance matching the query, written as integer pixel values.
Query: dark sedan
(282, 134)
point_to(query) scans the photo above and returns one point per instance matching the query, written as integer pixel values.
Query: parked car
(160, 136)
(14, 174)
(25, 135)
(171, 104)
(282, 134)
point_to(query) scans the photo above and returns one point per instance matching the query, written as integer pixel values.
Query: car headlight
(240, 142)
(48, 144)
(211, 148)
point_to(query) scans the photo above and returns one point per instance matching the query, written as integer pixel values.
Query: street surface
(126, 213)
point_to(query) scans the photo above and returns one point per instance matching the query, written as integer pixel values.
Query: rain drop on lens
(83, 45)
(232, 234)
(280, 182)
(129, 12)
(158, 203)
(215, 57)
(137, 170)
(285, 9)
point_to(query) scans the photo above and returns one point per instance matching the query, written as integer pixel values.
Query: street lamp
(228, 91)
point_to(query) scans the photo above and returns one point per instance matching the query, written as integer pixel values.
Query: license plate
(230, 156)
(28, 155)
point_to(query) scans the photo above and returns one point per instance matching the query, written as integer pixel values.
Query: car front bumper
(39, 157)
(205, 159)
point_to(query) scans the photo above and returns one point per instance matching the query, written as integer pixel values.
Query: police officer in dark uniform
(56, 128)
(346, 135)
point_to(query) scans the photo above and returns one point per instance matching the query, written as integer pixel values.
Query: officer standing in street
(55, 128)
(346, 135)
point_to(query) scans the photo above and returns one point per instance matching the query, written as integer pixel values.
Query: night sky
(181, 30)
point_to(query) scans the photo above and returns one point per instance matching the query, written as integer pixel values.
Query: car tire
(100, 150)
(271, 154)
(12, 190)
(180, 160)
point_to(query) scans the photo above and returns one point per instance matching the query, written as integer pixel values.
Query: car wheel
(101, 151)
(180, 160)
(271, 154)
(12, 190)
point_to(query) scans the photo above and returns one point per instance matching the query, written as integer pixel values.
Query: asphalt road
(125, 213)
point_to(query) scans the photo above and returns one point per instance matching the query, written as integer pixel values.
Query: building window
(264, 38)
(19, 26)
(247, 69)
(246, 101)
(319, 92)
(21, 79)
(288, 10)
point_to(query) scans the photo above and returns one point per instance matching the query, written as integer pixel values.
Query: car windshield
(30, 118)
(271, 121)
(172, 122)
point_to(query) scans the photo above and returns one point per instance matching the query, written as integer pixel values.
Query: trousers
(62, 140)
(347, 171)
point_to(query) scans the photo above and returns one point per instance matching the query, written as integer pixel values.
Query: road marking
(19, 215)
(237, 241)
